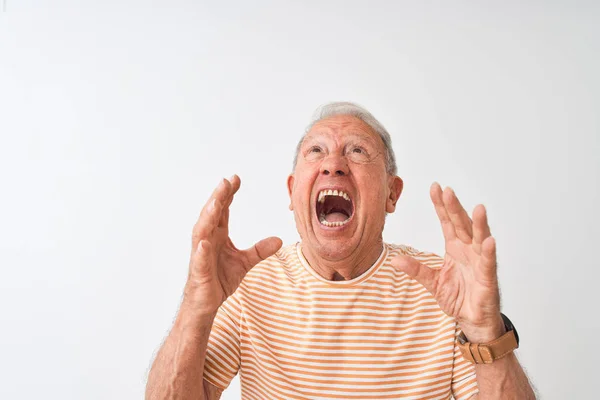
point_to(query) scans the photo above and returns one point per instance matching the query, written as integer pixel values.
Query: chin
(335, 249)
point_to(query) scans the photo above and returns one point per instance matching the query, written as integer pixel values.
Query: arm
(466, 288)
(216, 269)
(504, 378)
(178, 369)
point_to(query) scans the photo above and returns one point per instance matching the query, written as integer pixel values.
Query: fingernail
(231, 179)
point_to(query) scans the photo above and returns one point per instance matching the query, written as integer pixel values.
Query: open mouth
(334, 208)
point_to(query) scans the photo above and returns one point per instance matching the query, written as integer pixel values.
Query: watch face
(509, 326)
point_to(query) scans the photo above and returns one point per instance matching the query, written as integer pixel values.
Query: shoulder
(267, 278)
(283, 260)
(414, 287)
(428, 258)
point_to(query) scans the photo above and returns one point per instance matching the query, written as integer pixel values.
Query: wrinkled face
(340, 190)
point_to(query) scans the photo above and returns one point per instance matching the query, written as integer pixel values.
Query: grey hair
(355, 110)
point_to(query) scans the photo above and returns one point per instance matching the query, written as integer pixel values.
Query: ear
(395, 186)
(290, 186)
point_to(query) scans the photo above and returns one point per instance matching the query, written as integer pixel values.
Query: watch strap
(487, 353)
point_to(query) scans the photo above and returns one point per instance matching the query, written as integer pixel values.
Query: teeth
(324, 193)
(321, 199)
(340, 223)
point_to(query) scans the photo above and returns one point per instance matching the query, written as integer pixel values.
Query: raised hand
(466, 286)
(217, 267)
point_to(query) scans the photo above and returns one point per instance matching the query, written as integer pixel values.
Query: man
(341, 315)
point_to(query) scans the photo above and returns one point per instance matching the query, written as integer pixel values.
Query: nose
(335, 165)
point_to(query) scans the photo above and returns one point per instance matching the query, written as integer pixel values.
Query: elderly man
(341, 314)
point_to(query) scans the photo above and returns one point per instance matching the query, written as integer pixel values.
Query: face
(340, 190)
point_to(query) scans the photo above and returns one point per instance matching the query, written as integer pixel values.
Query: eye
(357, 153)
(314, 153)
(358, 150)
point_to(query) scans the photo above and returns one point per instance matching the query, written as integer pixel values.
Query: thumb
(423, 274)
(261, 250)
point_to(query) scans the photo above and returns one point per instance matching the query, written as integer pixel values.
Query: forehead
(340, 126)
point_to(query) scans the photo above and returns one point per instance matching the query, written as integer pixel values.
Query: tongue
(335, 217)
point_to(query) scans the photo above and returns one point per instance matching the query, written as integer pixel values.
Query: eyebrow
(354, 135)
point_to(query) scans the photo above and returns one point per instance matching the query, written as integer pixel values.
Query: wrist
(198, 302)
(489, 342)
(193, 318)
(485, 333)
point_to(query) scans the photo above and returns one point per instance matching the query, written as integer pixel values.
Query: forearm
(177, 371)
(503, 379)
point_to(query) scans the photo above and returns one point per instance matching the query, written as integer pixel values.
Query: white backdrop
(117, 119)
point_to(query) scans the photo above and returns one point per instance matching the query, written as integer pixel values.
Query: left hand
(466, 286)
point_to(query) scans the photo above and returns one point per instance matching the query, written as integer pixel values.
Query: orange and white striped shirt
(295, 335)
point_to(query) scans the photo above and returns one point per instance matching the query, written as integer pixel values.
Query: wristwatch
(487, 353)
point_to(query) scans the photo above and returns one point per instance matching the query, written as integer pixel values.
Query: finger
(207, 222)
(423, 274)
(211, 213)
(235, 183)
(261, 250)
(481, 229)
(488, 264)
(435, 193)
(235, 186)
(463, 226)
(202, 261)
(223, 191)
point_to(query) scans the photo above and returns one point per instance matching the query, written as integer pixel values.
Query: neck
(347, 268)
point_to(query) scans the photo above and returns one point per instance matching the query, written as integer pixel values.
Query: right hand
(217, 267)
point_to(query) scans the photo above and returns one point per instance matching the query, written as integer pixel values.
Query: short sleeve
(222, 361)
(464, 380)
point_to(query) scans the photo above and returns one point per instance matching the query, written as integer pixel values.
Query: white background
(117, 119)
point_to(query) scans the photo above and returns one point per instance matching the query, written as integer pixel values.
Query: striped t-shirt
(295, 335)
